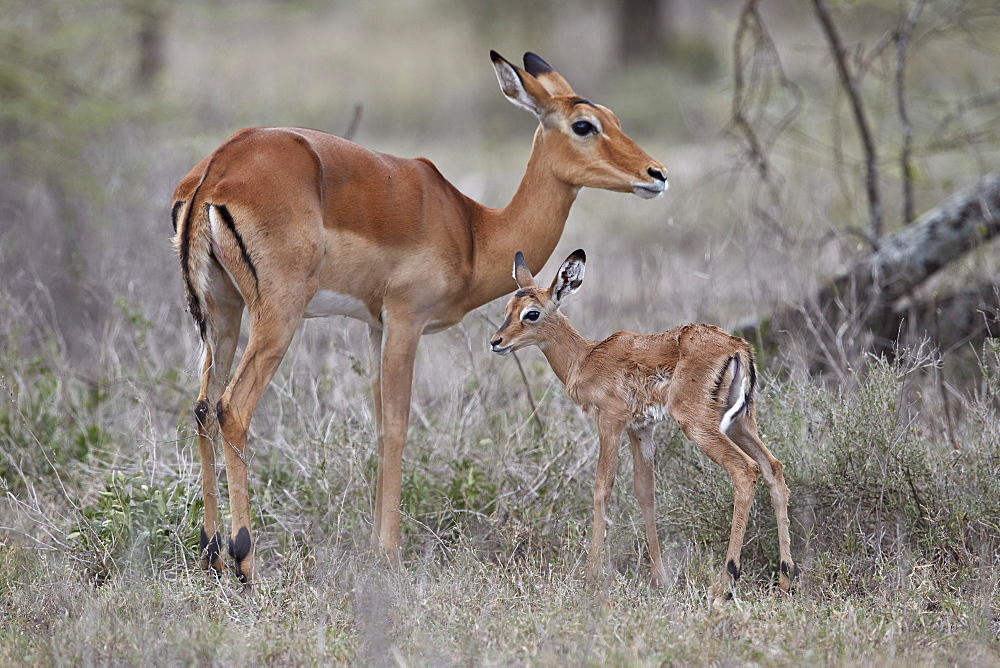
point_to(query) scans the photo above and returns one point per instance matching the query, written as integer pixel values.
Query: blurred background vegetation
(104, 105)
(893, 465)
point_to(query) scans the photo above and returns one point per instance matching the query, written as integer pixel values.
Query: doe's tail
(194, 249)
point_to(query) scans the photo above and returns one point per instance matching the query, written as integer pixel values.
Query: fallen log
(858, 309)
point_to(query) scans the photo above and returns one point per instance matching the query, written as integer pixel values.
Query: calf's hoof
(787, 577)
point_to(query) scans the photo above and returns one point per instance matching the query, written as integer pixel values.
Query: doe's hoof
(241, 549)
(210, 550)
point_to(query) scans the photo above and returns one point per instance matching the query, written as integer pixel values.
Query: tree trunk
(152, 16)
(640, 33)
(855, 311)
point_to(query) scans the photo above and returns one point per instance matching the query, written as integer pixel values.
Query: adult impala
(698, 374)
(294, 223)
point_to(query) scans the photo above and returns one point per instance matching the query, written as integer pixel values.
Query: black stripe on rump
(173, 213)
(194, 306)
(720, 378)
(227, 218)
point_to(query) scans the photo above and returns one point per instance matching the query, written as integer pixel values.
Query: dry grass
(97, 568)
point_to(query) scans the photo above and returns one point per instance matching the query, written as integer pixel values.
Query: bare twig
(851, 87)
(940, 381)
(748, 18)
(902, 42)
(527, 392)
(865, 61)
(939, 140)
(524, 378)
(763, 62)
(352, 126)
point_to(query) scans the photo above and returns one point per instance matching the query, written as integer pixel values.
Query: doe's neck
(532, 223)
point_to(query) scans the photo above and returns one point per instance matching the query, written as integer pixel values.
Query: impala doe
(699, 375)
(293, 223)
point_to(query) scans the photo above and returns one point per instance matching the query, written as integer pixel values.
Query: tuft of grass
(872, 484)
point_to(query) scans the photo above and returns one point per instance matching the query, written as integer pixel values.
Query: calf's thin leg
(642, 485)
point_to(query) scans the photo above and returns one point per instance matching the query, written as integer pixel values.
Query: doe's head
(532, 314)
(584, 141)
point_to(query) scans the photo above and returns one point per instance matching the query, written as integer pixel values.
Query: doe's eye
(532, 315)
(583, 128)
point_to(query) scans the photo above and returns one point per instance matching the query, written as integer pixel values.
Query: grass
(339, 606)
(894, 468)
(896, 531)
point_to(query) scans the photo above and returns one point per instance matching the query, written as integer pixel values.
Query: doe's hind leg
(226, 311)
(269, 338)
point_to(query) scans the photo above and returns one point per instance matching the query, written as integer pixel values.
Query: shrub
(137, 524)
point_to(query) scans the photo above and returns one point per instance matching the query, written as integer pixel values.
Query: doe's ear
(553, 82)
(569, 278)
(522, 275)
(521, 88)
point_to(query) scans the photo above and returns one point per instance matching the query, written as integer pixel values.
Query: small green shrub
(51, 418)
(135, 524)
(464, 495)
(872, 484)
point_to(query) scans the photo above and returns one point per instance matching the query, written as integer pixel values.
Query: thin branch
(747, 17)
(902, 42)
(352, 126)
(938, 139)
(866, 61)
(527, 393)
(763, 61)
(851, 87)
(524, 378)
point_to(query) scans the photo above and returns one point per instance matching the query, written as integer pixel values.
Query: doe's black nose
(656, 174)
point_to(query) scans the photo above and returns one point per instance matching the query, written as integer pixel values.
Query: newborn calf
(701, 376)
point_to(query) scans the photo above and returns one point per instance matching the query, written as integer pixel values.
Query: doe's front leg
(399, 351)
(375, 361)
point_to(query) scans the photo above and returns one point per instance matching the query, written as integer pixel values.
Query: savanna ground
(894, 466)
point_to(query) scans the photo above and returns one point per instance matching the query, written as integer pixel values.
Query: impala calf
(291, 223)
(699, 375)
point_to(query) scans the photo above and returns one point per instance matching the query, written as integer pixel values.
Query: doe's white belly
(326, 303)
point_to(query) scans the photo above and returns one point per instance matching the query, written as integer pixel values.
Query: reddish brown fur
(629, 382)
(319, 216)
